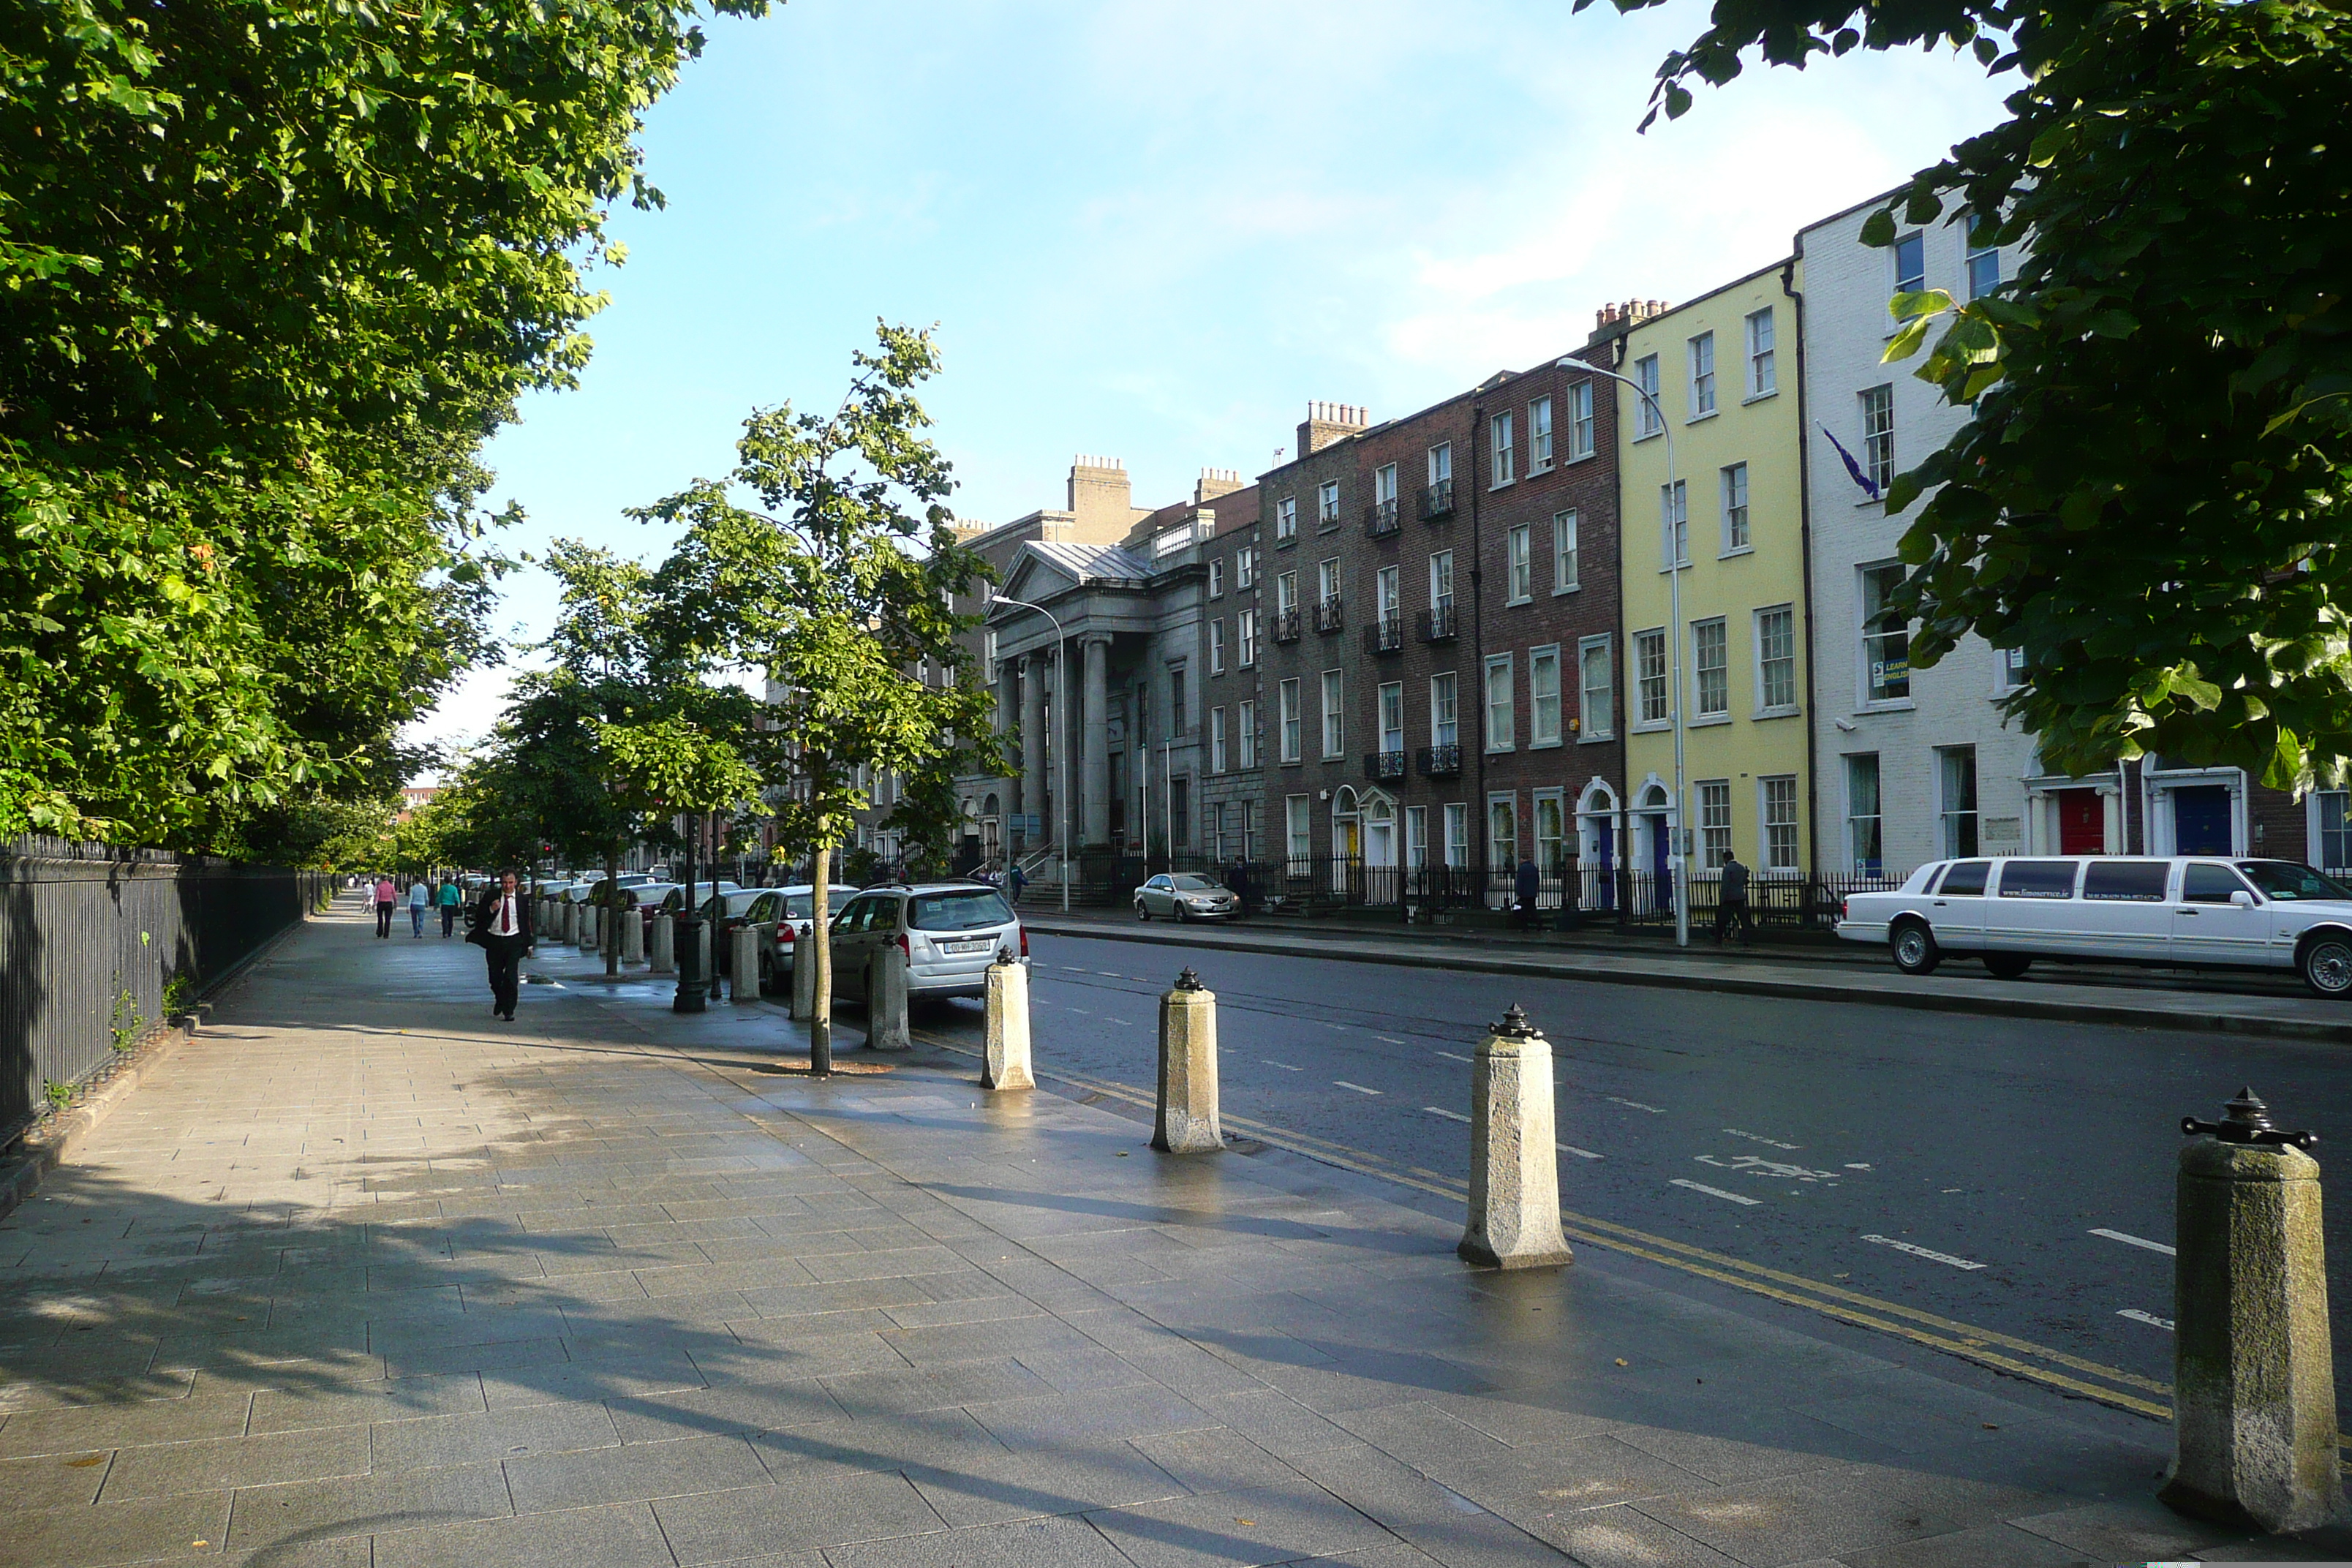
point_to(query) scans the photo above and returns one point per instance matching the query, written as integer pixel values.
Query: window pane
(1714, 824)
(1862, 814)
(1735, 506)
(2134, 881)
(1711, 666)
(1965, 880)
(1650, 674)
(1885, 636)
(2037, 879)
(1776, 647)
(1543, 696)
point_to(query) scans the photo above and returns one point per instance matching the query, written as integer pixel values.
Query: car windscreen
(1197, 885)
(2286, 882)
(963, 909)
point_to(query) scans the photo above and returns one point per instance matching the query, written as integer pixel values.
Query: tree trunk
(820, 935)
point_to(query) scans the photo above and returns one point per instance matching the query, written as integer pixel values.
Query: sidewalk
(2157, 999)
(362, 1278)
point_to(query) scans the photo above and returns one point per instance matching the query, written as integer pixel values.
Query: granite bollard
(662, 959)
(633, 938)
(743, 964)
(1187, 1118)
(2254, 1376)
(592, 927)
(1005, 1063)
(803, 980)
(885, 1000)
(1513, 1152)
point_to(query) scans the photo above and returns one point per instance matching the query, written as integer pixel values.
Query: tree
(2150, 499)
(274, 271)
(838, 588)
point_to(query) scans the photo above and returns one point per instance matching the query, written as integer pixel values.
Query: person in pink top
(387, 898)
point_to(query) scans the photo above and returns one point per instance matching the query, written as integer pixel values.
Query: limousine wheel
(1915, 949)
(2007, 965)
(2326, 964)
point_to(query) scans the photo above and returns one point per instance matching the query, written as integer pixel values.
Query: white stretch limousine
(2266, 914)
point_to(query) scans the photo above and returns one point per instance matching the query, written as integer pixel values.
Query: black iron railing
(1436, 625)
(1382, 765)
(1286, 625)
(1437, 501)
(1385, 635)
(1440, 762)
(1328, 617)
(1380, 519)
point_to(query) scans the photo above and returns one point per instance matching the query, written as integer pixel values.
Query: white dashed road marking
(1918, 1251)
(1714, 1192)
(2150, 1318)
(1580, 1153)
(1384, 1038)
(1359, 1088)
(1449, 1115)
(1634, 1104)
(1450, 1056)
(1284, 1066)
(1760, 1138)
(2137, 1241)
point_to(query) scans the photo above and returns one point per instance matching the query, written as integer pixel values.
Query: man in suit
(500, 927)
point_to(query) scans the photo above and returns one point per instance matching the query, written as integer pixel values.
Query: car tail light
(905, 948)
(1845, 909)
(1025, 941)
(784, 931)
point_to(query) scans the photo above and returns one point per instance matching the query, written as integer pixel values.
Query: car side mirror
(2242, 898)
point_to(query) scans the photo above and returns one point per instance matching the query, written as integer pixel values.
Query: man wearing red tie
(500, 927)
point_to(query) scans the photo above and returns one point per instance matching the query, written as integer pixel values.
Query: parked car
(726, 911)
(645, 900)
(781, 916)
(949, 931)
(2185, 910)
(1185, 896)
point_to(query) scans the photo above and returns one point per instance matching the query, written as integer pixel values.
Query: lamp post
(1062, 739)
(1673, 520)
(687, 937)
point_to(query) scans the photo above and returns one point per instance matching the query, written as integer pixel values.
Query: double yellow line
(1986, 1347)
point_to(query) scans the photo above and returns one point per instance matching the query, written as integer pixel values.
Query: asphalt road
(2011, 1174)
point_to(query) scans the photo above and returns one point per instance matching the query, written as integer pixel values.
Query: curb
(45, 1149)
(2055, 1008)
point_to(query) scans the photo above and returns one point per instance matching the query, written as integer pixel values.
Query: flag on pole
(1869, 485)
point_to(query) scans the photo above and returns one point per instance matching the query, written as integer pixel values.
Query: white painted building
(1910, 765)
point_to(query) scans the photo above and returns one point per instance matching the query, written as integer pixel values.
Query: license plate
(981, 946)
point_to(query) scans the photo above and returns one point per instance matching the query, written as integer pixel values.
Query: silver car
(781, 916)
(949, 931)
(1185, 896)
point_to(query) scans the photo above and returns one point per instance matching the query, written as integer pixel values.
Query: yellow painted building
(1715, 463)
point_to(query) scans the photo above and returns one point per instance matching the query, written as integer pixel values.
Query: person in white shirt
(500, 927)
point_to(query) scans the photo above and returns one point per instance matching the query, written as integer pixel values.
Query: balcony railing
(1327, 617)
(1385, 635)
(1380, 519)
(1437, 624)
(1440, 762)
(1382, 765)
(1437, 501)
(1286, 625)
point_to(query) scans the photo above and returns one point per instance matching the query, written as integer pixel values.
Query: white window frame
(1649, 643)
(1763, 358)
(1539, 434)
(1245, 567)
(1582, 436)
(1709, 630)
(1765, 708)
(1416, 837)
(1502, 436)
(1564, 563)
(1702, 378)
(1327, 580)
(1285, 520)
(1855, 819)
(1246, 733)
(1287, 720)
(1774, 833)
(1970, 254)
(1543, 669)
(1327, 504)
(1738, 535)
(1384, 482)
(1246, 638)
(1712, 798)
(1441, 463)
(1391, 716)
(1335, 714)
(1875, 408)
(1907, 282)
(1286, 592)
(1600, 725)
(1503, 848)
(1458, 835)
(1388, 592)
(1216, 740)
(1503, 735)
(1441, 578)
(1217, 578)
(1217, 646)
(1444, 709)
(1518, 564)
(1298, 829)
(1674, 525)
(1867, 642)
(1647, 409)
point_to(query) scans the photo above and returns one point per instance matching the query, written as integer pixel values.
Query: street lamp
(1669, 514)
(1062, 739)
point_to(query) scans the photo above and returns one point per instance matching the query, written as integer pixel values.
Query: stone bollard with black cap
(663, 957)
(805, 980)
(885, 1000)
(1513, 1152)
(743, 964)
(633, 938)
(1187, 1123)
(2253, 1377)
(1006, 1063)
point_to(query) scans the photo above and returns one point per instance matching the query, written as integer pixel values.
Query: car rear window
(800, 906)
(964, 910)
(1966, 880)
(2286, 882)
(2127, 881)
(2037, 879)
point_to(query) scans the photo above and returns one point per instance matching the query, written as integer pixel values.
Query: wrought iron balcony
(1385, 635)
(1327, 617)
(1286, 625)
(1437, 501)
(1440, 762)
(1382, 765)
(1380, 519)
(1437, 624)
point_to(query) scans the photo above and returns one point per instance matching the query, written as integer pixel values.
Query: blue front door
(2201, 820)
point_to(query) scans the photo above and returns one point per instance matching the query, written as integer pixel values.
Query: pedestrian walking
(500, 927)
(1238, 880)
(1017, 880)
(451, 900)
(1528, 890)
(420, 899)
(1731, 901)
(386, 896)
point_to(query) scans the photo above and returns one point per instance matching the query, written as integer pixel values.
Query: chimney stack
(1215, 482)
(1098, 498)
(1329, 422)
(1615, 321)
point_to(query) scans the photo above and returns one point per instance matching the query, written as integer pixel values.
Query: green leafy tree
(273, 271)
(837, 587)
(2150, 498)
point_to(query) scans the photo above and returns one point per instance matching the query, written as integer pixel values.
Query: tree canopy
(273, 270)
(2149, 498)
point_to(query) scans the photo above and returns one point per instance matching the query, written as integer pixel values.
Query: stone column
(2253, 1381)
(1097, 750)
(592, 927)
(885, 1004)
(743, 963)
(663, 960)
(632, 939)
(1513, 1152)
(1187, 1123)
(1034, 676)
(1005, 1064)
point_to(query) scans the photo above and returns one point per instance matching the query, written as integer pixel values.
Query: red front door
(2081, 822)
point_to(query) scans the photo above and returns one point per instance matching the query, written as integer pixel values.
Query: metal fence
(91, 937)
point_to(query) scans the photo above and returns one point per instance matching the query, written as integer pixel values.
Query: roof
(1094, 562)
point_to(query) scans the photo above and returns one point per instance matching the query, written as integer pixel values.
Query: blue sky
(1156, 231)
